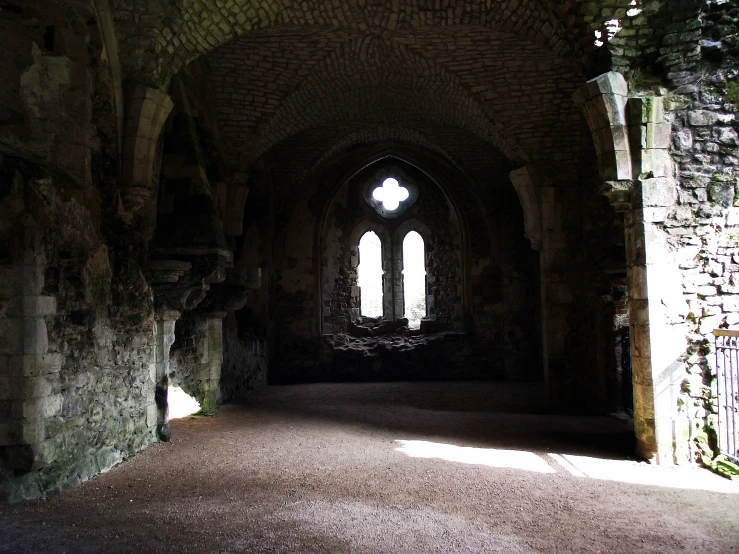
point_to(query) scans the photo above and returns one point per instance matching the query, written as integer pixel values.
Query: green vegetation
(722, 466)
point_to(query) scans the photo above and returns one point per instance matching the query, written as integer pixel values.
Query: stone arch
(158, 39)
(604, 103)
(391, 241)
(380, 135)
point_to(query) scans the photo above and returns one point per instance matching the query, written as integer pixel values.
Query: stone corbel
(524, 182)
(619, 194)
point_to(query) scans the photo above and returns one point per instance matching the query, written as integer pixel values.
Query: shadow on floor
(481, 414)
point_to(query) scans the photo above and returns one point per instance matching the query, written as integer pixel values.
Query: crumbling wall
(701, 53)
(76, 346)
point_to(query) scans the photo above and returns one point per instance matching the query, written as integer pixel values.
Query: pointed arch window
(414, 279)
(370, 275)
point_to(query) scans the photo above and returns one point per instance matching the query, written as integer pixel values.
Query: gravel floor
(429, 467)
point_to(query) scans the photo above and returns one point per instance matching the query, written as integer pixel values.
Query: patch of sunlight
(639, 473)
(612, 27)
(492, 457)
(634, 11)
(180, 403)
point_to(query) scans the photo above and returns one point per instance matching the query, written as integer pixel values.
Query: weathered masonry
(184, 187)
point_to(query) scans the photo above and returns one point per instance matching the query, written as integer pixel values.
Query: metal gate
(727, 367)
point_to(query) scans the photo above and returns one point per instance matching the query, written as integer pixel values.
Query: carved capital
(619, 194)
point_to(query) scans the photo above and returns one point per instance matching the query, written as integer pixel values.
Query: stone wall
(77, 343)
(704, 224)
(486, 289)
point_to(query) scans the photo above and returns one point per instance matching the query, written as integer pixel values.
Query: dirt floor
(426, 467)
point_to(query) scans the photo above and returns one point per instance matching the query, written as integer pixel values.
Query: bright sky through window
(370, 275)
(391, 194)
(414, 279)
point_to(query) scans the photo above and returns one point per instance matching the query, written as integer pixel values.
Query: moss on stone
(732, 92)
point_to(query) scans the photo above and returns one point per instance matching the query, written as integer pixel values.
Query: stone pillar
(210, 358)
(657, 309)
(632, 141)
(526, 187)
(158, 412)
(146, 112)
(29, 373)
(237, 192)
(543, 226)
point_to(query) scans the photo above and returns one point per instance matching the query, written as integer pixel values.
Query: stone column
(210, 357)
(543, 226)
(158, 412)
(632, 141)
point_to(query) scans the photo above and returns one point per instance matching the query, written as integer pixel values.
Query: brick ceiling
(488, 82)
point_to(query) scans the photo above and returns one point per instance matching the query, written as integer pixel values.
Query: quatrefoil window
(390, 194)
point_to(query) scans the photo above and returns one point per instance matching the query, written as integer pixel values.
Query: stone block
(554, 239)
(46, 452)
(731, 303)
(658, 135)
(34, 432)
(11, 335)
(651, 214)
(10, 433)
(638, 288)
(10, 281)
(641, 341)
(37, 387)
(151, 415)
(701, 118)
(615, 108)
(656, 162)
(615, 166)
(35, 337)
(11, 386)
(721, 193)
(39, 306)
(608, 83)
(660, 192)
(40, 364)
(643, 402)
(606, 139)
(41, 408)
(33, 281)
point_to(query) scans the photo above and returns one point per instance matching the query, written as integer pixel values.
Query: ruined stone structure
(183, 185)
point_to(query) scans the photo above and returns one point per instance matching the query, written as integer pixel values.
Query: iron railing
(727, 368)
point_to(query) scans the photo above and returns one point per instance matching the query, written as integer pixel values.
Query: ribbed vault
(506, 90)
(158, 37)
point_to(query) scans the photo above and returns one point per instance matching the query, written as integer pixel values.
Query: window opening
(370, 275)
(391, 194)
(414, 279)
